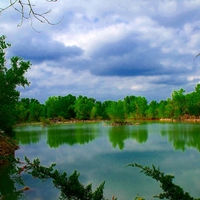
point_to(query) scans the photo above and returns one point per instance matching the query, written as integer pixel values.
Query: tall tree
(130, 103)
(178, 102)
(162, 109)
(104, 107)
(35, 110)
(51, 106)
(140, 104)
(10, 78)
(23, 110)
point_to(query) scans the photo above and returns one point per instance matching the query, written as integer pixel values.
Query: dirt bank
(7, 147)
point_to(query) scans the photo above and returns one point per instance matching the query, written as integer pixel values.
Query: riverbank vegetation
(180, 106)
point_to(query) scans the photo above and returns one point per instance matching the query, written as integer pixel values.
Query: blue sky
(108, 49)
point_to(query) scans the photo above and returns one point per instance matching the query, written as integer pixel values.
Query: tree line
(131, 107)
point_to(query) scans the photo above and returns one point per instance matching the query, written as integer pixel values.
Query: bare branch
(10, 5)
(196, 56)
(31, 14)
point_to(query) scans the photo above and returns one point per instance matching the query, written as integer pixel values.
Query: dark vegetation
(10, 79)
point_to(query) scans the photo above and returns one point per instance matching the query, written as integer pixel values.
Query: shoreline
(111, 123)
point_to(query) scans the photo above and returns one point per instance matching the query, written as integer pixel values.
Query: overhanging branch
(20, 6)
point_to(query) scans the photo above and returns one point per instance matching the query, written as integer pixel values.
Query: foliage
(69, 186)
(140, 104)
(117, 111)
(45, 122)
(10, 79)
(96, 112)
(139, 198)
(83, 107)
(180, 105)
(170, 190)
(152, 111)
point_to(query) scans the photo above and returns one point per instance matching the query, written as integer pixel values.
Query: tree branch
(31, 13)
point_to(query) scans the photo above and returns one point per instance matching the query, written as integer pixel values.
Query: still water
(101, 153)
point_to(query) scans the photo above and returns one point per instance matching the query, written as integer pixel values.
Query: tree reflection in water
(118, 135)
(8, 188)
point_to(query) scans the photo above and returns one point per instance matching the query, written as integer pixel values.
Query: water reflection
(118, 135)
(8, 189)
(30, 134)
(182, 136)
(105, 150)
(29, 137)
(70, 135)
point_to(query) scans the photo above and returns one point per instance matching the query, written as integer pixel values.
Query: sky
(107, 50)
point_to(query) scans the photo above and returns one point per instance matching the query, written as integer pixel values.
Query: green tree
(96, 112)
(65, 106)
(152, 110)
(178, 102)
(161, 109)
(83, 107)
(117, 111)
(61, 106)
(10, 79)
(35, 110)
(104, 107)
(130, 103)
(51, 107)
(193, 101)
(22, 108)
(140, 105)
(169, 108)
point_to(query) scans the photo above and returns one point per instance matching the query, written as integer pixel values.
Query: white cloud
(95, 24)
(167, 8)
(93, 38)
(191, 4)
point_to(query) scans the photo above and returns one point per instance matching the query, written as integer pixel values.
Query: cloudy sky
(108, 49)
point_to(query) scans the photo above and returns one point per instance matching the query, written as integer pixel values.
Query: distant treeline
(135, 107)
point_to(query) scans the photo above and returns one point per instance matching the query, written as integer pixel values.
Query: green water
(101, 152)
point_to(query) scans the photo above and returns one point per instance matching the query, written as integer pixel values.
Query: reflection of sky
(98, 161)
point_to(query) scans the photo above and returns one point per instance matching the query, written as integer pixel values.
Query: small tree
(117, 111)
(10, 78)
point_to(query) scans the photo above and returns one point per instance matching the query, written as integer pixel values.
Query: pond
(102, 152)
